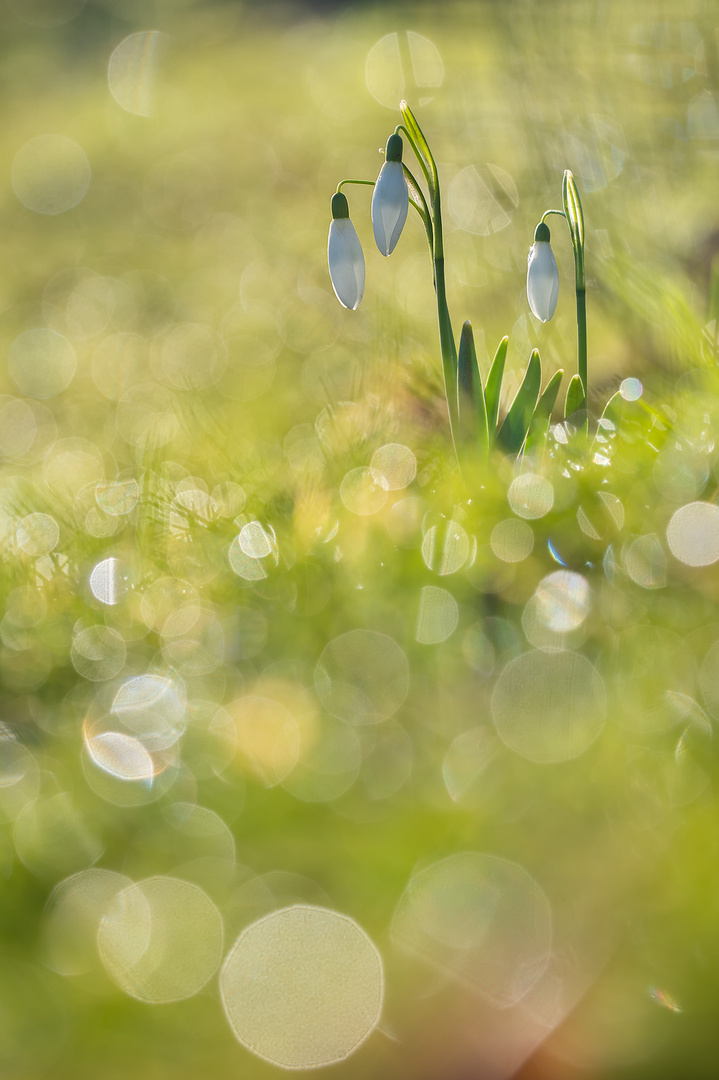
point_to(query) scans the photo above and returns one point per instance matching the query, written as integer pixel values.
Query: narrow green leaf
(543, 413)
(575, 218)
(514, 430)
(575, 401)
(470, 395)
(416, 197)
(494, 387)
(573, 206)
(466, 360)
(448, 350)
(549, 396)
(421, 146)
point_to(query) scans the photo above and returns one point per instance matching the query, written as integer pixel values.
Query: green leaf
(542, 414)
(448, 349)
(575, 219)
(494, 387)
(573, 207)
(421, 148)
(470, 395)
(575, 401)
(416, 197)
(514, 430)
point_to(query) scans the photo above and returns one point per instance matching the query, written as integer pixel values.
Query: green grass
(242, 392)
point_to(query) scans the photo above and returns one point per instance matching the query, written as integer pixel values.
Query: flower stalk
(575, 219)
(574, 216)
(473, 407)
(447, 347)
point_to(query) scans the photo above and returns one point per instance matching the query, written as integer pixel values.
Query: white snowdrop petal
(346, 262)
(542, 280)
(390, 203)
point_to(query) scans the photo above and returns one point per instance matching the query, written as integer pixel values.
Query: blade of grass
(493, 388)
(470, 395)
(542, 414)
(418, 200)
(514, 430)
(422, 147)
(575, 397)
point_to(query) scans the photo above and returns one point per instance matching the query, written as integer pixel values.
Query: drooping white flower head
(542, 275)
(390, 200)
(344, 255)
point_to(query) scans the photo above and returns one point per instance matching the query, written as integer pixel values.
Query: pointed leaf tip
(575, 401)
(494, 386)
(539, 426)
(514, 430)
(470, 395)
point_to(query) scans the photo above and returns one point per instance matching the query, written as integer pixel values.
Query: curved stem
(575, 220)
(368, 183)
(447, 346)
(580, 288)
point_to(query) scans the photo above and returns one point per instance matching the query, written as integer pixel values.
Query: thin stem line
(447, 344)
(368, 183)
(582, 340)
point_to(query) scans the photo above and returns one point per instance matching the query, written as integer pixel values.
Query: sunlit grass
(261, 637)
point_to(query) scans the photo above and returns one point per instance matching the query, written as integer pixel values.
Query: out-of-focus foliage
(262, 647)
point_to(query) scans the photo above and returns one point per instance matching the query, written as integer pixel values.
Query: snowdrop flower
(542, 275)
(344, 255)
(390, 200)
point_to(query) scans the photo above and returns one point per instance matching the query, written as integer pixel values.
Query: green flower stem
(582, 340)
(368, 183)
(447, 346)
(575, 220)
(580, 288)
(433, 227)
(416, 198)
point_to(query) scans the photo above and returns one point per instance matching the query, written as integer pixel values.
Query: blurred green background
(259, 635)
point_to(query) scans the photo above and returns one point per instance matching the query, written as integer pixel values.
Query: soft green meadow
(318, 749)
